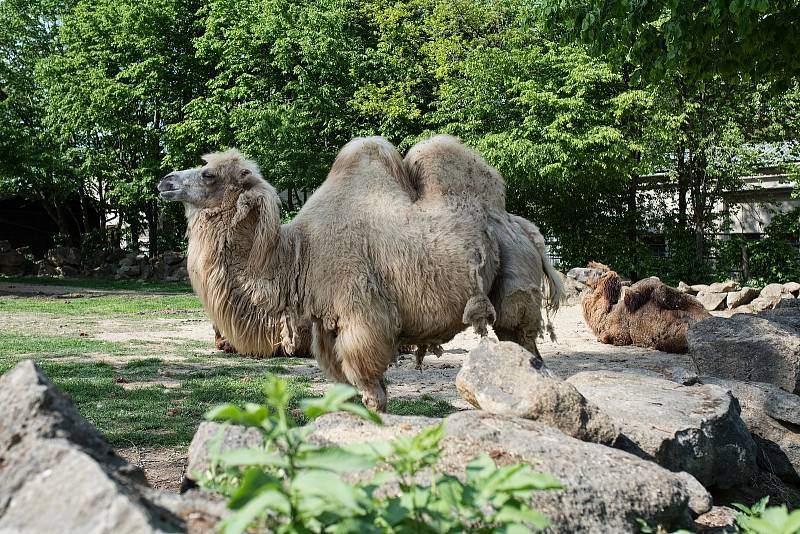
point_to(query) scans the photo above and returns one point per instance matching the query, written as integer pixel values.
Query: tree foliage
(611, 123)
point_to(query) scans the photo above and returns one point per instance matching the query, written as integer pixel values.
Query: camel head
(225, 175)
(230, 186)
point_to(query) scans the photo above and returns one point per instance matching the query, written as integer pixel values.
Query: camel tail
(554, 293)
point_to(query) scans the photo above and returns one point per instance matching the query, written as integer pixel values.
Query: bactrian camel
(386, 252)
(647, 314)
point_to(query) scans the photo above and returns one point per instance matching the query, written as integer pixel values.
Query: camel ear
(267, 210)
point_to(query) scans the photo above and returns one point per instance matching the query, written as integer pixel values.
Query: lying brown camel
(647, 314)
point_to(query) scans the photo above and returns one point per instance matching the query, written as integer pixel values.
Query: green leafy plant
(290, 485)
(761, 519)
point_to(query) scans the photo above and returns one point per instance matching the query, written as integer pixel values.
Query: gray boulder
(741, 297)
(787, 301)
(60, 475)
(697, 288)
(12, 263)
(761, 348)
(45, 268)
(712, 301)
(773, 417)
(696, 429)
(604, 489)
(723, 287)
(61, 256)
(772, 291)
(212, 438)
(500, 377)
(583, 274)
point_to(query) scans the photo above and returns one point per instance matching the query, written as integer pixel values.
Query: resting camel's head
(225, 175)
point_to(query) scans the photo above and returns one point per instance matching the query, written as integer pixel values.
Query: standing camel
(386, 252)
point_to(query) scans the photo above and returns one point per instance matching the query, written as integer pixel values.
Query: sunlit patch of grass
(157, 416)
(103, 305)
(425, 405)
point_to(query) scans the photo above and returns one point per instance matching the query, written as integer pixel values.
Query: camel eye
(208, 176)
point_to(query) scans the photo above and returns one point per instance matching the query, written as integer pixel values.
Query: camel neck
(242, 298)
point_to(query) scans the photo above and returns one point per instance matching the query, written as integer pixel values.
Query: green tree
(123, 75)
(31, 166)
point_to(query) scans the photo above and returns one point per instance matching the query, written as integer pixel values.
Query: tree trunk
(152, 226)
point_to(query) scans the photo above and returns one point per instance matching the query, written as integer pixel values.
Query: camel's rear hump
(443, 167)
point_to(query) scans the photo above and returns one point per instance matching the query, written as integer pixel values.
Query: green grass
(103, 305)
(425, 405)
(102, 283)
(14, 347)
(157, 416)
(130, 398)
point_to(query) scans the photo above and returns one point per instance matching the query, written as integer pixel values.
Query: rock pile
(67, 261)
(728, 295)
(625, 446)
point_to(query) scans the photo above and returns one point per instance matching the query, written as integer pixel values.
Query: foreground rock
(761, 348)
(58, 474)
(498, 377)
(213, 438)
(605, 489)
(696, 429)
(773, 417)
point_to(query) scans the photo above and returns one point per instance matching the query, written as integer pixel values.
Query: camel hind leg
(519, 319)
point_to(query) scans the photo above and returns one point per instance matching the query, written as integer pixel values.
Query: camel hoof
(375, 398)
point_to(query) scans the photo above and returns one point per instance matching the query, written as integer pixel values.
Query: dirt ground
(575, 350)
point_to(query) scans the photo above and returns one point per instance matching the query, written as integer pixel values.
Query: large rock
(12, 263)
(761, 348)
(61, 256)
(584, 274)
(772, 291)
(787, 301)
(499, 377)
(773, 417)
(712, 301)
(762, 303)
(697, 288)
(58, 474)
(683, 287)
(741, 297)
(213, 438)
(604, 489)
(792, 288)
(696, 429)
(723, 287)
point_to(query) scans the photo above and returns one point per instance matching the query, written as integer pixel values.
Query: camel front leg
(365, 355)
(223, 344)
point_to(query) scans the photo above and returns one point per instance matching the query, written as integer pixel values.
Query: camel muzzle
(168, 189)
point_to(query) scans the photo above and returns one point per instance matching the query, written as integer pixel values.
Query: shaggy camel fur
(386, 252)
(650, 313)
(284, 340)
